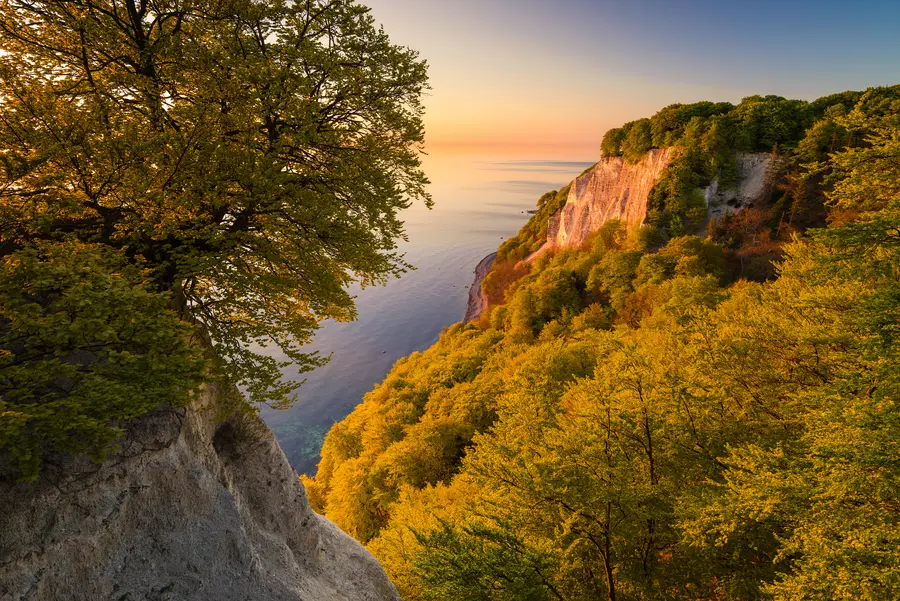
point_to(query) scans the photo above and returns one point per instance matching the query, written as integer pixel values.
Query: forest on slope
(691, 410)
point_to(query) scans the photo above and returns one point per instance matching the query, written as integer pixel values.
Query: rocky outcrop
(755, 175)
(477, 300)
(187, 510)
(614, 189)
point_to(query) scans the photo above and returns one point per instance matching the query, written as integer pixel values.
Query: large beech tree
(252, 155)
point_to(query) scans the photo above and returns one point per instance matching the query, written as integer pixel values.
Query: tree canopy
(250, 157)
(636, 421)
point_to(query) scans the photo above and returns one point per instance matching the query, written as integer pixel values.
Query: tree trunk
(607, 560)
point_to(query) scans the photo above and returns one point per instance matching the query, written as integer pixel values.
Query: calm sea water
(479, 202)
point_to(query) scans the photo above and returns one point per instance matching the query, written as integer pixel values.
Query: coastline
(477, 301)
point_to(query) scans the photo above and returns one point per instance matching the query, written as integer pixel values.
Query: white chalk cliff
(614, 189)
(188, 510)
(755, 178)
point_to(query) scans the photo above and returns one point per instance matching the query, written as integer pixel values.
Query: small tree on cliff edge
(253, 155)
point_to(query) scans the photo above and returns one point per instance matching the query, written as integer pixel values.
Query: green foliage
(761, 123)
(822, 138)
(534, 233)
(611, 146)
(667, 126)
(480, 563)
(638, 141)
(548, 295)
(676, 196)
(656, 429)
(253, 156)
(85, 346)
(686, 256)
(614, 274)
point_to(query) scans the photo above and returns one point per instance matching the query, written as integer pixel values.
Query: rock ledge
(187, 510)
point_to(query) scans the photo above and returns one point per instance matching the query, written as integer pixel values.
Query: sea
(479, 201)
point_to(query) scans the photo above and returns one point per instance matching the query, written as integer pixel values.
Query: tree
(84, 345)
(828, 330)
(763, 122)
(483, 563)
(613, 274)
(611, 145)
(252, 155)
(638, 141)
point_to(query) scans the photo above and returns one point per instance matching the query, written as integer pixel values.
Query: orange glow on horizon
(503, 148)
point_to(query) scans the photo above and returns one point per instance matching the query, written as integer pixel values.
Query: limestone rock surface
(187, 510)
(614, 189)
(754, 182)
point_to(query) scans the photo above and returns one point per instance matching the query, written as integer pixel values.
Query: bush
(83, 347)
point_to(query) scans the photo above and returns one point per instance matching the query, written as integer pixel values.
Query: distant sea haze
(479, 202)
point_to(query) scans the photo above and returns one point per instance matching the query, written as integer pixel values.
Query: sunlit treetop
(253, 155)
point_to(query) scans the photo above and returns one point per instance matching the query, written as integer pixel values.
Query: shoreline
(477, 301)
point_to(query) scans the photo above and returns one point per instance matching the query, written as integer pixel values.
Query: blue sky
(529, 73)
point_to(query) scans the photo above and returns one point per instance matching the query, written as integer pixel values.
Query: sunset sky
(552, 76)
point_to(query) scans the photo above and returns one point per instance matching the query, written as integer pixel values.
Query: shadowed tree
(253, 155)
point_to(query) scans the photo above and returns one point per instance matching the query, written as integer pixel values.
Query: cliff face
(755, 182)
(616, 190)
(187, 510)
(611, 190)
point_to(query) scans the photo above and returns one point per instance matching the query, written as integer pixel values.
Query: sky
(548, 78)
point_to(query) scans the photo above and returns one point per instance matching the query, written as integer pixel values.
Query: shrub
(83, 347)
